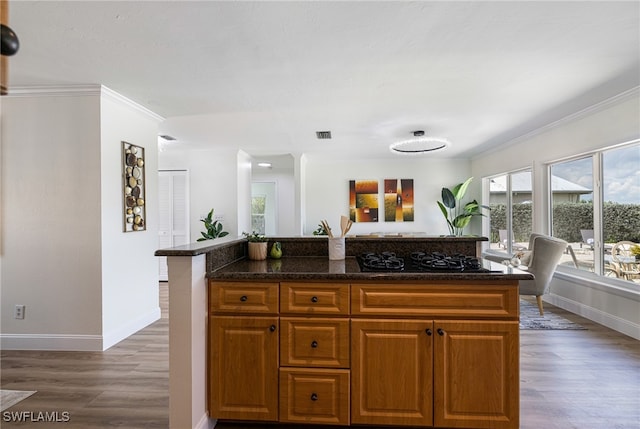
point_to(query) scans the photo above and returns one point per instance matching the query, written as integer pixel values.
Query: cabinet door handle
(314, 396)
(314, 299)
(440, 332)
(314, 344)
(428, 331)
(272, 328)
(243, 298)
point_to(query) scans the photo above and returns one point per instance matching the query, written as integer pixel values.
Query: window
(572, 210)
(511, 216)
(597, 220)
(258, 203)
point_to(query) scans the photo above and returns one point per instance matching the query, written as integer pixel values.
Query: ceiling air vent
(167, 137)
(323, 135)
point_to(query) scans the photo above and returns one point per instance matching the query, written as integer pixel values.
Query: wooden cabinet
(318, 396)
(243, 351)
(314, 353)
(435, 372)
(438, 354)
(391, 371)
(476, 374)
(243, 369)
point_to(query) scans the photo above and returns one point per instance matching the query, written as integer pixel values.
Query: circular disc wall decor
(134, 213)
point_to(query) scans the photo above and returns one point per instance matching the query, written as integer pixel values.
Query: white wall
(213, 176)
(130, 277)
(326, 191)
(612, 122)
(51, 231)
(62, 239)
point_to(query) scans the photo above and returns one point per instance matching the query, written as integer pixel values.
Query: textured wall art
(363, 200)
(398, 200)
(134, 215)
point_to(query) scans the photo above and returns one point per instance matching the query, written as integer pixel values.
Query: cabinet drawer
(314, 342)
(316, 298)
(240, 297)
(478, 300)
(314, 396)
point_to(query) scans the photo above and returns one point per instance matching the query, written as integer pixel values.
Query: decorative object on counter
(398, 200)
(214, 228)
(320, 230)
(337, 244)
(363, 200)
(336, 248)
(134, 212)
(256, 246)
(457, 215)
(276, 250)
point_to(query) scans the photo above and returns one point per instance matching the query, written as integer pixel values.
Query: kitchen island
(307, 340)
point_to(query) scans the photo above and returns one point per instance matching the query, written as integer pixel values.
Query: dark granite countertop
(321, 268)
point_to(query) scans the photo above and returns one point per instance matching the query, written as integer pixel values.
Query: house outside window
(601, 223)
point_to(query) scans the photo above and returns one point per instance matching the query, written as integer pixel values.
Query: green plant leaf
(462, 221)
(448, 199)
(461, 189)
(444, 210)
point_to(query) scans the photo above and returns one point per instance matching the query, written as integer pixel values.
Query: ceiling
(264, 76)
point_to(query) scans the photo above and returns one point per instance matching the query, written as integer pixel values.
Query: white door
(174, 212)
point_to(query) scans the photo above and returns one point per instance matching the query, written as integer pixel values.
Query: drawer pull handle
(428, 331)
(314, 299)
(243, 298)
(314, 344)
(272, 328)
(314, 397)
(440, 332)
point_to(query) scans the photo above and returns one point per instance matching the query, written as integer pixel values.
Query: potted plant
(457, 215)
(213, 228)
(257, 246)
(635, 251)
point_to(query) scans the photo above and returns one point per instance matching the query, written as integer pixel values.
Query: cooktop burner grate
(420, 261)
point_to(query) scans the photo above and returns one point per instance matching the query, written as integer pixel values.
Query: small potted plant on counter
(257, 246)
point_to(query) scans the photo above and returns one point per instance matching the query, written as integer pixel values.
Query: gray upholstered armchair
(545, 254)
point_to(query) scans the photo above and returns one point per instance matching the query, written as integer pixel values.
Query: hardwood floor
(581, 379)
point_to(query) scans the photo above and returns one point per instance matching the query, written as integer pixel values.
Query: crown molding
(79, 91)
(107, 92)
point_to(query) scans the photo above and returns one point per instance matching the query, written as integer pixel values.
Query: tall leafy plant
(456, 214)
(213, 228)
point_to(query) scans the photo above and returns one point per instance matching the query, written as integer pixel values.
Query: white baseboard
(606, 319)
(206, 423)
(73, 342)
(114, 336)
(84, 343)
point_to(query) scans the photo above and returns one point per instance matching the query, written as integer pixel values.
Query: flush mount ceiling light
(419, 144)
(264, 164)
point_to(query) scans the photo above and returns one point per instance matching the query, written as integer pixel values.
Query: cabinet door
(476, 374)
(391, 372)
(243, 372)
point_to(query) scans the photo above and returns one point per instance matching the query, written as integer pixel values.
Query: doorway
(173, 223)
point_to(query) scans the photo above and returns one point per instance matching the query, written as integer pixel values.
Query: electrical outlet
(18, 312)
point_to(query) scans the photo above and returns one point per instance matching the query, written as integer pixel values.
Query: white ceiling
(264, 76)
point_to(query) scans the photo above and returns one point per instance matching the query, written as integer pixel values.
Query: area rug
(530, 318)
(8, 398)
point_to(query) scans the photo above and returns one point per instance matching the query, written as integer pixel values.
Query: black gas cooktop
(420, 262)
